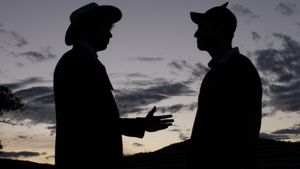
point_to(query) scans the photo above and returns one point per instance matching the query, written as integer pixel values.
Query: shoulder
(241, 62)
(65, 60)
(240, 59)
(244, 68)
(76, 55)
(68, 61)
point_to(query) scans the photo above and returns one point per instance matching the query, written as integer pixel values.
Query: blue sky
(152, 59)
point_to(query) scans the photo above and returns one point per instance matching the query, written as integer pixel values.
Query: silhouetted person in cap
(228, 120)
(89, 129)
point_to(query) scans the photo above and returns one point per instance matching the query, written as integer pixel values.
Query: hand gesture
(155, 123)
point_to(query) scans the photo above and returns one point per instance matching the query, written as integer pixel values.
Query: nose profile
(196, 34)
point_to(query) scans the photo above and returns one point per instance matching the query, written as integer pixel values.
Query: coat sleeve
(133, 127)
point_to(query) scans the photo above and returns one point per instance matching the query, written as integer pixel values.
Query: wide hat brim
(103, 13)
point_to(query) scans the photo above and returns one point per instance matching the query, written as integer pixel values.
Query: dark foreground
(273, 155)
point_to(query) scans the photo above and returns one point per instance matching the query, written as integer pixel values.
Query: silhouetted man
(227, 123)
(88, 133)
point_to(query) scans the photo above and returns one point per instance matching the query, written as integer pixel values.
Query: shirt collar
(213, 62)
(93, 53)
(89, 48)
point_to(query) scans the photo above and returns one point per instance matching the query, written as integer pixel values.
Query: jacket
(228, 120)
(89, 129)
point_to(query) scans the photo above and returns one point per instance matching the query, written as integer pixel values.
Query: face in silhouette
(99, 36)
(210, 36)
(206, 36)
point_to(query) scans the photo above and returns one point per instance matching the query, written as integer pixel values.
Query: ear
(225, 5)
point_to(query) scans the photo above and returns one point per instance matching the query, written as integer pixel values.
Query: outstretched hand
(155, 123)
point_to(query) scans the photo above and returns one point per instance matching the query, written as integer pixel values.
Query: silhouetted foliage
(8, 101)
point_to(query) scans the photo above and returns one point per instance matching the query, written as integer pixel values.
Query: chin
(100, 48)
(201, 47)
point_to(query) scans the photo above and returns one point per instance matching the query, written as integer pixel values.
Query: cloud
(11, 38)
(23, 82)
(278, 137)
(38, 56)
(22, 137)
(286, 9)
(13, 154)
(11, 41)
(36, 112)
(34, 92)
(298, 26)
(179, 64)
(38, 105)
(286, 99)
(53, 130)
(280, 72)
(136, 75)
(183, 137)
(138, 145)
(148, 59)
(196, 70)
(175, 130)
(283, 134)
(178, 107)
(295, 130)
(255, 36)
(50, 157)
(132, 101)
(199, 70)
(45, 99)
(267, 114)
(141, 83)
(39, 101)
(172, 109)
(243, 11)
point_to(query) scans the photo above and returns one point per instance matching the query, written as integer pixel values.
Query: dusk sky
(152, 60)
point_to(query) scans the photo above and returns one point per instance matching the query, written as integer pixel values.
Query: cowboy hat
(90, 13)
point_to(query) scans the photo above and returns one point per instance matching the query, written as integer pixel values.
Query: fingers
(166, 121)
(155, 123)
(151, 112)
(164, 116)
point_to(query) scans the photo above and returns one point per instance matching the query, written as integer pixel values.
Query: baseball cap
(216, 16)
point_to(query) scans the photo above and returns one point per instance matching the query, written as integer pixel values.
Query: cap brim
(197, 17)
(69, 35)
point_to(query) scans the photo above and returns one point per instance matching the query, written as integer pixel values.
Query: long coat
(89, 129)
(227, 124)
